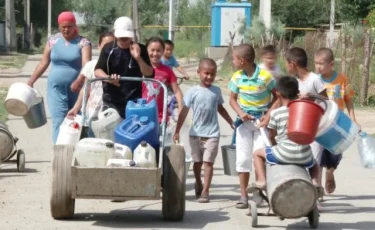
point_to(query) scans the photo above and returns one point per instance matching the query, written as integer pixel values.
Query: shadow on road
(152, 219)
(364, 225)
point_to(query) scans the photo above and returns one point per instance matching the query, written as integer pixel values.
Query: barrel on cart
(71, 181)
(290, 194)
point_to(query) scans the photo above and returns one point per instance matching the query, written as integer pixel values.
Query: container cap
(132, 163)
(141, 101)
(143, 120)
(144, 144)
(109, 144)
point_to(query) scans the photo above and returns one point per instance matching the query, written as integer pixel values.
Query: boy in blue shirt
(206, 101)
(169, 60)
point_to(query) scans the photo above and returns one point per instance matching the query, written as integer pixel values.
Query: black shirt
(114, 60)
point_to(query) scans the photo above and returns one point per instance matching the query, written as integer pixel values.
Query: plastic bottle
(366, 149)
(145, 156)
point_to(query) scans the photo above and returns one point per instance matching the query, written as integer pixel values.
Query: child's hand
(115, 79)
(246, 117)
(359, 126)
(72, 113)
(176, 137)
(263, 121)
(186, 77)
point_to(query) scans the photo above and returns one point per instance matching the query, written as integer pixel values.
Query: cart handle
(125, 78)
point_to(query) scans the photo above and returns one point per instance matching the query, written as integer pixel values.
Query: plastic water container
(336, 130)
(145, 156)
(70, 131)
(366, 149)
(93, 152)
(142, 108)
(104, 126)
(133, 130)
(122, 152)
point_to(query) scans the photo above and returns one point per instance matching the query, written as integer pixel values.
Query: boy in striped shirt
(283, 150)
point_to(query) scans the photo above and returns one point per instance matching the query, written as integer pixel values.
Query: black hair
(103, 35)
(207, 61)
(287, 87)
(155, 39)
(245, 51)
(327, 52)
(268, 49)
(297, 55)
(169, 42)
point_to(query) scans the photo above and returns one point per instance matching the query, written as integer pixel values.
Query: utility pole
(49, 17)
(136, 21)
(265, 14)
(10, 26)
(171, 20)
(332, 25)
(26, 14)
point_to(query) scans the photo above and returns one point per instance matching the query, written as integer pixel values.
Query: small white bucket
(19, 99)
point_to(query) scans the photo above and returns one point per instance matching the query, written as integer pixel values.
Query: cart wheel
(20, 160)
(62, 204)
(174, 186)
(314, 218)
(253, 213)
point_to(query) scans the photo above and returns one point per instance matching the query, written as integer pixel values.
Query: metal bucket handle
(320, 98)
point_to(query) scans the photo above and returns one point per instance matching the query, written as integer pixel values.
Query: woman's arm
(42, 66)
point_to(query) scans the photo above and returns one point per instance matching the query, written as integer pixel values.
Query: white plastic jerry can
(104, 126)
(93, 152)
(70, 131)
(122, 152)
(145, 156)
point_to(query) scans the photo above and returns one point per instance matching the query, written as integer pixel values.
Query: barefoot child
(268, 57)
(95, 93)
(283, 150)
(206, 101)
(308, 83)
(153, 90)
(340, 91)
(169, 60)
(254, 87)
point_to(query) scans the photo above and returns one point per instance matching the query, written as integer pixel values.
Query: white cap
(123, 28)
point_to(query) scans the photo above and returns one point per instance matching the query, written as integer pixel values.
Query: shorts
(248, 140)
(330, 160)
(204, 149)
(271, 159)
(317, 151)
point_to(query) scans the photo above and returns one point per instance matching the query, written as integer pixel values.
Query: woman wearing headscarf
(67, 52)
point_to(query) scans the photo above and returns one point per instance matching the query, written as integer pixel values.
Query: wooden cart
(70, 181)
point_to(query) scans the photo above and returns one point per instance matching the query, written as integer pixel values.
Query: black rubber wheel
(253, 211)
(20, 160)
(174, 186)
(62, 204)
(314, 218)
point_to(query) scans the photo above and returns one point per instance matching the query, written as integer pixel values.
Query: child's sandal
(204, 199)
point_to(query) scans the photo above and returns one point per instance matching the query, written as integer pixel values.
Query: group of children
(259, 96)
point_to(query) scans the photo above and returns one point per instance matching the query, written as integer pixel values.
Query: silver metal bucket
(229, 159)
(36, 117)
(7, 144)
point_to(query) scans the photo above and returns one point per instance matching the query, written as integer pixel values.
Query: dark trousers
(330, 160)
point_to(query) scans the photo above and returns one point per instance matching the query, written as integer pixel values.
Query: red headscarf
(67, 16)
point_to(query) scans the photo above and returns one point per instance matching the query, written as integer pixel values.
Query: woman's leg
(58, 107)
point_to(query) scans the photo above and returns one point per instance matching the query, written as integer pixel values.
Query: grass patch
(3, 112)
(16, 61)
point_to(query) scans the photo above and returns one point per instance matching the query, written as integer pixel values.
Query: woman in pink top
(153, 90)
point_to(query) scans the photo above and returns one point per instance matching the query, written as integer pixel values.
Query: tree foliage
(355, 10)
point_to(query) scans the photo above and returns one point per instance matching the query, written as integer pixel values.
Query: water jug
(337, 132)
(93, 152)
(122, 152)
(366, 149)
(104, 126)
(135, 129)
(145, 156)
(70, 131)
(142, 108)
